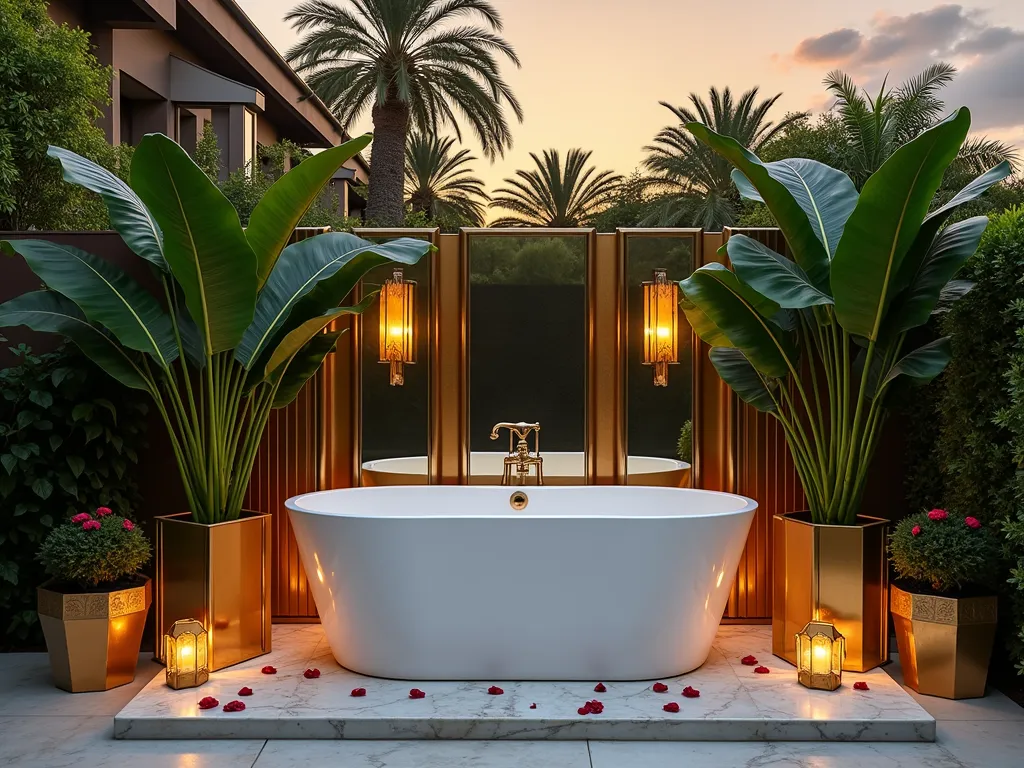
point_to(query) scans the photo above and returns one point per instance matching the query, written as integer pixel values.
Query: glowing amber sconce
(185, 651)
(820, 651)
(397, 315)
(661, 334)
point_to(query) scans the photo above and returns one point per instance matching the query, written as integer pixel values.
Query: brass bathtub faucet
(519, 455)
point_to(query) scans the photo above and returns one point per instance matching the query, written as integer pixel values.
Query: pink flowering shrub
(944, 550)
(94, 549)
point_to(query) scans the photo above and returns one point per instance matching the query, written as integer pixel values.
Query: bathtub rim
(292, 504)
(679, 465)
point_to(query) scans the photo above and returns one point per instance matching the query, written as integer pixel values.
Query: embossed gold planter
(220, 575)
(832, 573)
(945, 643)
(93, 638)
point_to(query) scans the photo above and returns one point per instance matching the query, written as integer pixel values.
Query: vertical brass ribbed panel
(606, 398)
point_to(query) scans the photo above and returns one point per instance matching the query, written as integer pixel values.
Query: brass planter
(833, 573)
(219, 575)
(945, 643)
(93, 638)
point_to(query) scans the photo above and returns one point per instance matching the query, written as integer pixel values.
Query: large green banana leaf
(923, 364)
(278, 212)
(128, 214)
(888, 216)
(703, 325)
(50, 312)
(772, 274)
(297, 338)
(736, 371)
(304, 364)
(105, 294)
(204, 244)
(330, 264)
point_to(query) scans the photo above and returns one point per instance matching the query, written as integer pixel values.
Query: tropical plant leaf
(128, 214)
(278, 212)
(736, 371)
(306, 362)
(772, 274)
(105, 294)
(807, 248)
(703, 325)
(204, 244)
(888, 216)
(950, 294)
(923, 364)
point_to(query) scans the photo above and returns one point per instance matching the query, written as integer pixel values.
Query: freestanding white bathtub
(584, 583)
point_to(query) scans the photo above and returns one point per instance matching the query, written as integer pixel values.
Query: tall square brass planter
(220, 575)
(833, 573)
(945, 643)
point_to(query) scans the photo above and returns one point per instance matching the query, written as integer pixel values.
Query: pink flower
(972, 522)
(91, 525)
(128, 525)
(937, 514)
(103, 511)
(81, 517)
(916, 530)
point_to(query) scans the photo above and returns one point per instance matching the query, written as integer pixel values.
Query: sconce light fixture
(397, 318)
(661, 312)
(820, 651)
(185, 651)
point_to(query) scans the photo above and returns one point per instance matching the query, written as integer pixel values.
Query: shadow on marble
(425, 754)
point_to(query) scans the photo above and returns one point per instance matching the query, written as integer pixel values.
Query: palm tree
(553, 196)
(877, 127)
(440, 183)
(407, 63)
(697, 183)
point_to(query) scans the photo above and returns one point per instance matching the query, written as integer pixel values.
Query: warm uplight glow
(820, 650)
(186, 651)
(397, 319)
(661, 308)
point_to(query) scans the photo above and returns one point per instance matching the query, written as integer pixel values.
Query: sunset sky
(593, 71)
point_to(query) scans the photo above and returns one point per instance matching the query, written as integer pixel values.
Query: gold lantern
(185, 651)
(661, 339)
(397, 307)
(820, 651)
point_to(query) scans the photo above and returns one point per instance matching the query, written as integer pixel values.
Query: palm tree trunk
(385, 206)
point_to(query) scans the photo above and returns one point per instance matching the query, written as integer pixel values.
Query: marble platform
(735, 703)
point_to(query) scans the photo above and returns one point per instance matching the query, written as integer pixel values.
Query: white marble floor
(41, 727)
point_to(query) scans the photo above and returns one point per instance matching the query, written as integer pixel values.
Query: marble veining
(735, 703)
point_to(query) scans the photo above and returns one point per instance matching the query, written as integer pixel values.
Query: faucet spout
(519, 454)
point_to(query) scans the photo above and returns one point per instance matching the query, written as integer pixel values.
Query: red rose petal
(416, 693)
(599, 688)
(671, 707)
(748, 661)
(358, 692)
(690, 692)
(596, 707)
(495, 690)
(533, 706)
(311, 674)
(584, 710)
(234, 706)
(762, 670)
(208, 702)
(246, 691)
(860, 686)
(269, 670)
(659, 688)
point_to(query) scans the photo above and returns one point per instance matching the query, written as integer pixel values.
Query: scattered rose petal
(103, 511)
(81, 517)
(91, 525)
(358, 692)
(416, 693)
(311, 674)
(671, 707)
(246, 691)
(584, 710)
(659, 688)
(916, 530)
(208, 702)
(599, 688)
(234, 706)
(128, 525)
(269, 670)
(937, 514)
(972, 522)
(748, 661)
(533, 706)
(495, 690)
(762, 670)
(690, 692)
(860, 686)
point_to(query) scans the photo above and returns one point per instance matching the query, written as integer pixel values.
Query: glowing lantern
(820, 651)
(661, 311)
(185, 649)
(397, 307)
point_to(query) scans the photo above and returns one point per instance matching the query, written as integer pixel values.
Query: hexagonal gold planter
(93, 638)
(945, 643)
